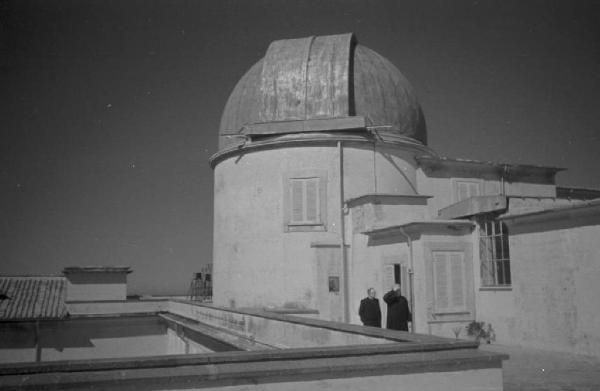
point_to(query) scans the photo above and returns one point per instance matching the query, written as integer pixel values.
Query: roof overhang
(304, 126)
(444, 166)
(347, 136)
(423, 226)
(385, 198)
(584, 209)
(474, 206)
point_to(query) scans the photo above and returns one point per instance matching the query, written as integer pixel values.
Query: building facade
(325, 186)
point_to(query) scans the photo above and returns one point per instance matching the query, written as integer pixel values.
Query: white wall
(555, 272)
(257, 263)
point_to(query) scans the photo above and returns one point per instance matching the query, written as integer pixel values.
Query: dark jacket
(369, 312)
(398, 314)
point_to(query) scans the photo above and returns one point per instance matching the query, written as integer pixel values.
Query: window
(334, 284)
(450, 294)
(494, 253)
(305, 201)
(466, 189)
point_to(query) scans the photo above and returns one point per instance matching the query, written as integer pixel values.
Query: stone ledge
(236, 371)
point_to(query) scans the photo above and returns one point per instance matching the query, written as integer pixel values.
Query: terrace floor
(533, 369)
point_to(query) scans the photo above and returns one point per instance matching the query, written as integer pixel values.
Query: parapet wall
(271, 329)
(305, 353)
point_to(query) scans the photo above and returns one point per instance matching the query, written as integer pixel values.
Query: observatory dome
(324, 77)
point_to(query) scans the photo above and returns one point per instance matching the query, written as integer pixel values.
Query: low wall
(321, 355)
(271, 329)
(429, 371)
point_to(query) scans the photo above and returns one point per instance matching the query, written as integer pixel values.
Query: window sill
(305, 228)
(451, 313)
(495, 288)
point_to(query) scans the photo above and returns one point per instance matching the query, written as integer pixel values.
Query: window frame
(494, 240)
(458, 182)
(320, 223)
(450, 308)
(457, 245)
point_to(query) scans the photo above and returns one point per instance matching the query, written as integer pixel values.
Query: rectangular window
(494, 253)
(466, 189)
(305, 201)
(334, 284)
(450, 295)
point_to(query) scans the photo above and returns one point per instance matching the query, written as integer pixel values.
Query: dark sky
(109, 110)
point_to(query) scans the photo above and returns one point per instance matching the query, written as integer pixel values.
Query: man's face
(372, 293)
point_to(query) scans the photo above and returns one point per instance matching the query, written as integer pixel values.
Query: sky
(109, 110)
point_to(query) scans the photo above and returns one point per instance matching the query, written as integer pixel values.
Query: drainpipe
(38, 342)
(502, 180)
(345, 274)
(410, 277)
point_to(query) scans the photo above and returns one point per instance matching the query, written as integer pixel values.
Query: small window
(334, 284)
(466, 189)
(494, 253)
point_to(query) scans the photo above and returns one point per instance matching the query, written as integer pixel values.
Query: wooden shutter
(440, 273)
(457, 272)
(465, 189)
(388, 277)
(297, 200)
(312, 200)
(449, 281)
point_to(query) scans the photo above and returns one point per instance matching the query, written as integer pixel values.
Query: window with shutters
(466, 189)
(305, 202)
(450, 295)
(494, 253)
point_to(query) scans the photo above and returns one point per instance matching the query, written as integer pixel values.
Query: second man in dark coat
(398, 313)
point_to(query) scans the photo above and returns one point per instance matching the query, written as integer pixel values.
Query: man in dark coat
(369, 311)
(398, 314)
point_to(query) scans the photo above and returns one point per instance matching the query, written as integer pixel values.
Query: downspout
(410, 277)
(38, 342)
(345, 274)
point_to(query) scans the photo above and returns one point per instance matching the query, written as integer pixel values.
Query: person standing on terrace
(398, 314)
(369, 311)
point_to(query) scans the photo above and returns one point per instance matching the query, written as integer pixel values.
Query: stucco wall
(555, 271)
(257, 263)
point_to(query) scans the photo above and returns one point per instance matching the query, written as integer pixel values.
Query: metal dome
(326, 77)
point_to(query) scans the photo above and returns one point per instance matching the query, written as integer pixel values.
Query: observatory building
(325, 186)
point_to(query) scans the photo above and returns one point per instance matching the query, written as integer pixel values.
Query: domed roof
(325, 77)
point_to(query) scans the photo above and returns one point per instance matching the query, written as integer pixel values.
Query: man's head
(371, 293)
(396, 288)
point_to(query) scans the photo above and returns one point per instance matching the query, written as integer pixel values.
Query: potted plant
(480, 331)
